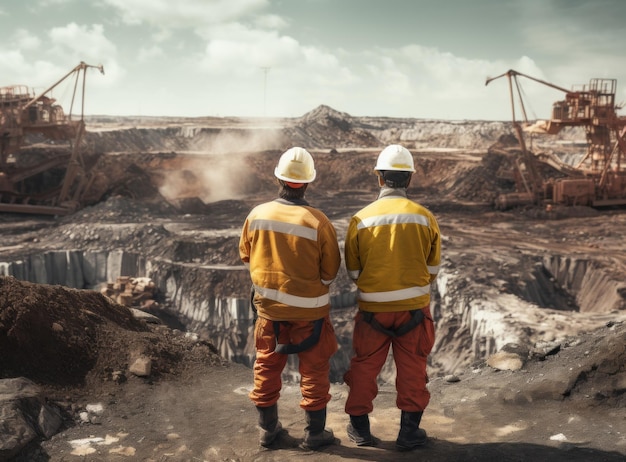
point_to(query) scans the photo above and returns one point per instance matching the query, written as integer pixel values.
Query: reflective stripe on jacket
(392, 252)
(292, 253)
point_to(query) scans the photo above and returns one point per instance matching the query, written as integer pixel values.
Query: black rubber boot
(315, 435)
(359, 431)
(410, 435)
(269, 423)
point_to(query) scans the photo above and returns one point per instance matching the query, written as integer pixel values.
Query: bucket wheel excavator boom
(52, 182)
(599, 178)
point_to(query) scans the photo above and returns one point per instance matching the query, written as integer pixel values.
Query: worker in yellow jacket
(392, 252)
(293, 256)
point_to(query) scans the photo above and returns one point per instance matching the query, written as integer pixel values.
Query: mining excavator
(599, 178)
(51, 180)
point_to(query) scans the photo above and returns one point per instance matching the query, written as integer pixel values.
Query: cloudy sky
(394, 58)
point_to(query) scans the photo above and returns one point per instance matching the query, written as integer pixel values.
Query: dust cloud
(237, 141)
(208, 181)
(219, 169)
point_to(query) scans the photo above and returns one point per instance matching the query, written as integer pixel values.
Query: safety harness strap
(416, 318)
(287, 348)
(310, 341)
(254, 310)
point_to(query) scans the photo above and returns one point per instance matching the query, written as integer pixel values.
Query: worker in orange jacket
(291, 251)
(392, 252)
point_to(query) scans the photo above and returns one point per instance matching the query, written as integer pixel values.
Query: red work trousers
(410, 354)
(314, 363)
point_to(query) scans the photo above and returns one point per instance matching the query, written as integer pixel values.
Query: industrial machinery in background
(50, 180)
(599, 178)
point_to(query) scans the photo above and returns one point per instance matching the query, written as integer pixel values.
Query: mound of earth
(64, 338)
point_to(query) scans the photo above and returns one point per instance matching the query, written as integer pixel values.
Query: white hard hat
(295, 166)
(395, 157)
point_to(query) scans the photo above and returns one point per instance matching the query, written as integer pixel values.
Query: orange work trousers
(314, 363)
(410, 353)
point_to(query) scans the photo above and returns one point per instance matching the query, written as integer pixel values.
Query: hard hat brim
(396, 169)
(294, 180)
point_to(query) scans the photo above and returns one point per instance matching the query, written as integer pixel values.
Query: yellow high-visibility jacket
(293, 256)
(393, 252)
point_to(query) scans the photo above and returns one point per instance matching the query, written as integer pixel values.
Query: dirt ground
(77, 345)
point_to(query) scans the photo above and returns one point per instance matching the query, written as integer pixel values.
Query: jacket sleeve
(244, 245)
(331, 257)
(353, 261)
(434, 257)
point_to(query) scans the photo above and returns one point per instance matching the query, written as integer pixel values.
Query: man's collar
(391, 192)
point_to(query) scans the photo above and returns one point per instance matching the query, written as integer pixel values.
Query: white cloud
(189, 13)
(270, 21)
(12, 65)
(417, 81)
(24, 40)
(147, 54)
(236, 49)
(18, 70)
(75, 43)
(83, 41)
(46, 3)
(583, 46)
(162, 35)
(52, 3)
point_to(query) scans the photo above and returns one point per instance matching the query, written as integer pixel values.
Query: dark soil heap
(65, 338)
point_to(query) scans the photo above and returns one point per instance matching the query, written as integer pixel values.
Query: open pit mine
(167, 197)
(107, 222)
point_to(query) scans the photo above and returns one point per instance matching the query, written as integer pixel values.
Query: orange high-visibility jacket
(392, 252)
(293, 256)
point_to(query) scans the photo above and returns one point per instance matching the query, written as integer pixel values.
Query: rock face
(25, 415)
(472, 324)
(596, 288)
